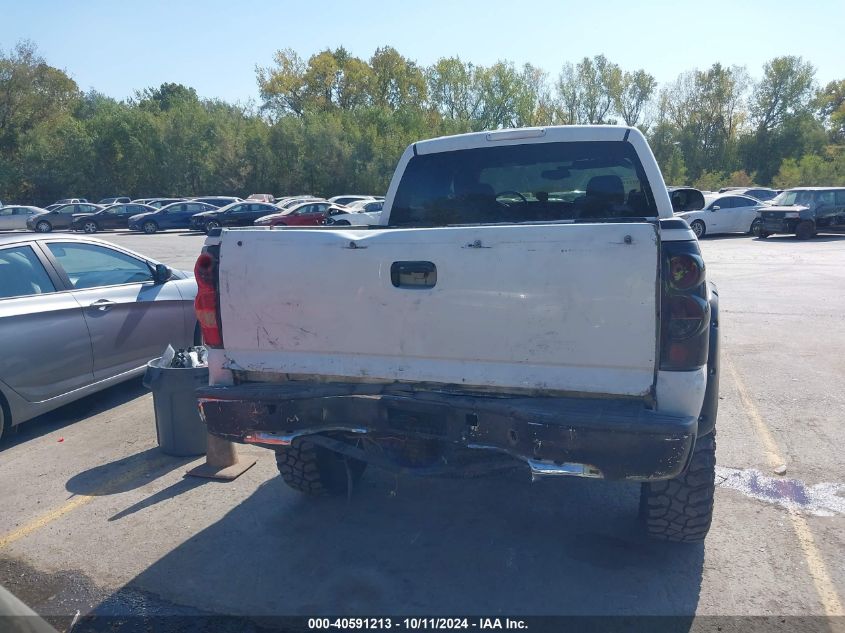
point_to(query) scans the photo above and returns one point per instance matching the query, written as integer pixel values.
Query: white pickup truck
(527, 300)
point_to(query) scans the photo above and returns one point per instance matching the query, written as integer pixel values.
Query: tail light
(206, 302)
(685, 311)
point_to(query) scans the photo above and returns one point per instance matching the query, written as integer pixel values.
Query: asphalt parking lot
(95, 518)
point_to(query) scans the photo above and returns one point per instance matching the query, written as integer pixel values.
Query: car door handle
(413, 274)
(103, 305)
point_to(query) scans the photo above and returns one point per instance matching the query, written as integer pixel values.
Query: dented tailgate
(555, 307)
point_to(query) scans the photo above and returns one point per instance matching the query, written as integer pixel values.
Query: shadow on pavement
(127, 473)
(174, 490)
(75, 411)
(498, 545)
(726, 236)
(781, 238)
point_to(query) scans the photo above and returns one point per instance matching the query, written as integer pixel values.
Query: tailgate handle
(413, 274)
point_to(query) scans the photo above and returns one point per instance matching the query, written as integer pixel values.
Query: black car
(59, 218)
(114, 217)
(235, 214)
(805, 211)
(174, 216)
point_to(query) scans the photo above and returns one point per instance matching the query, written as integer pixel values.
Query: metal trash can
(180, 430)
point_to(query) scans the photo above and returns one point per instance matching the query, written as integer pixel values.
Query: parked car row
(204, 213)
(802, 211)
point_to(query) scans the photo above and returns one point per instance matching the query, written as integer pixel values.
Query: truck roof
(521, 136)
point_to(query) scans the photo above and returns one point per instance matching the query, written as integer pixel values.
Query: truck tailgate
(552, 307)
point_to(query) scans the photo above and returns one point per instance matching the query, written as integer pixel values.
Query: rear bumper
(778, 225)
(611, 439)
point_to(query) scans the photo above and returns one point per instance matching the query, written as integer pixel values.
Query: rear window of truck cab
(524, 183)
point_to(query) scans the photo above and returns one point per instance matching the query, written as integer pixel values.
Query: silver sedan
(14, 217)
(78, 315)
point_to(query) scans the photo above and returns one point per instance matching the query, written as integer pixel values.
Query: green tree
(282, 86)
(588, 91)
(674, 170)
(335, 79)
(453, 89)
(397, 82)
(124, 144)
(166, 97)
(634, 91)
(510, 97)
(57, 159)
(779, 103)
(830, 103)
(742, 178)
(711, 181)
(706, 110)
(31, 92)
(785, 91)
(813, 170)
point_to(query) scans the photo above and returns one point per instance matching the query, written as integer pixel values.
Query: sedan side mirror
(162, 273)
(715, 208)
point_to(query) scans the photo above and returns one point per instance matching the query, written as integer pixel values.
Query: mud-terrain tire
(681, 509)
(315, 470)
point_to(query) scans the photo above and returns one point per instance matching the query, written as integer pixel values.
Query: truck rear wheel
(805, 230)
(681, 509)
(315, 470)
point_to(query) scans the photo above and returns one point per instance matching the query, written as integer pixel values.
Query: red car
(305, 214)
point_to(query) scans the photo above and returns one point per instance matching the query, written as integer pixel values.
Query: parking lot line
(815, 563)
(78, 501)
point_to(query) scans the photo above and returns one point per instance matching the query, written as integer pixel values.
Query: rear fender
(707, 418)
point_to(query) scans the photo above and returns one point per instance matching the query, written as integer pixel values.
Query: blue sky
(117, 47)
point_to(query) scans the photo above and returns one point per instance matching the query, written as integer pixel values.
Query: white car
(347, 199)
(725, 214)
(13, 217)
(360, 213)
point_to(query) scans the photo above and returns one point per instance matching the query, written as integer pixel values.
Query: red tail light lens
(205, 303)
(204, 270)
(685, 271)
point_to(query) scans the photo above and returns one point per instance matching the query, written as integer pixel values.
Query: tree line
(338, 123)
